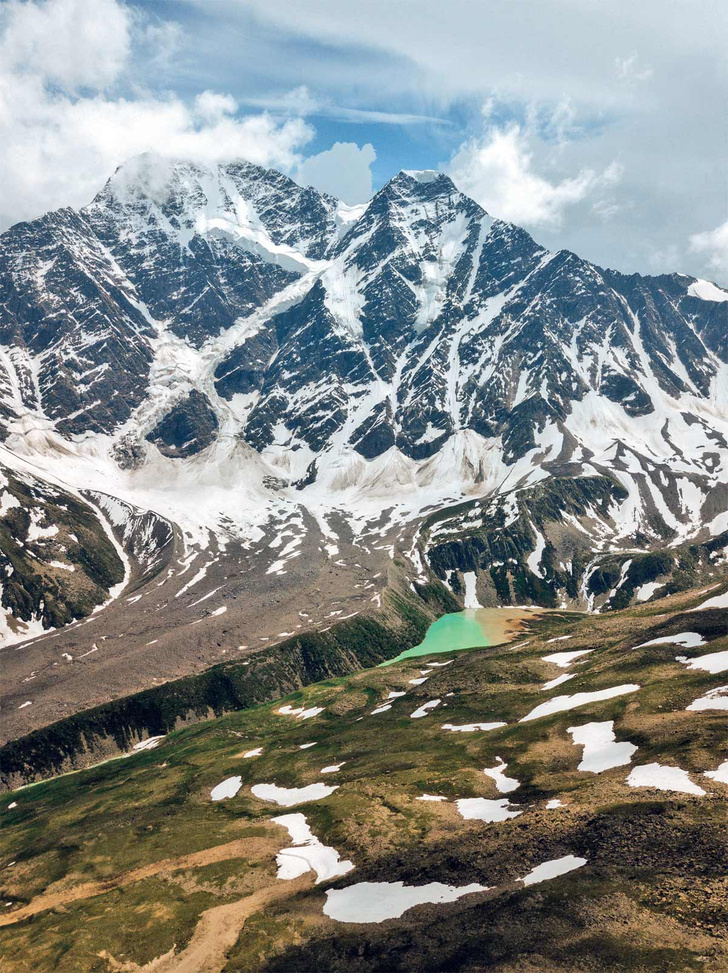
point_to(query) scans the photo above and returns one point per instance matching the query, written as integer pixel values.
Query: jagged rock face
(191, 243)
(425, 318)
(75, 343)
(432, 317)
(162, 247)
(187, 429)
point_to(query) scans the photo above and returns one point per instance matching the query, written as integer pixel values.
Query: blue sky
(596, 124)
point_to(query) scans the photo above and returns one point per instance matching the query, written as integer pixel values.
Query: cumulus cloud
(211, 106)
(713, 244)
(64, 131)
(498, 171)
(72, 43)
(343, 170)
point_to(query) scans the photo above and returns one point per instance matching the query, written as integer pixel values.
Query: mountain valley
(255, 446)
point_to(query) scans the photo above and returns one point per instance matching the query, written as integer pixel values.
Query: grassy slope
(158, 852)
(87, 737)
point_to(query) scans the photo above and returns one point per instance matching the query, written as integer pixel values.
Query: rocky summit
(264, 458)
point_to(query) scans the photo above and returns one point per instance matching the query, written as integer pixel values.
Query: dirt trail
(216, 933)
(239, 848)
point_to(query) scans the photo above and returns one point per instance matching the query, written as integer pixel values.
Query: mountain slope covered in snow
(236, 353)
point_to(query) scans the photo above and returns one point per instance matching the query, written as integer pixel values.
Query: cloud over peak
(63, 128)
(498, 170)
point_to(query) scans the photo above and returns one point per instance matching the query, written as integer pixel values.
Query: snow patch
(379, 901)
(560, 704)
(471, 597)
(471, 727)
(424, 709)
(288, 796)
(714, 699)
(307, 853)
(552, 869)
(663, 778)
(601, 750)
(504, 785)
(481, 809)
(228, 788)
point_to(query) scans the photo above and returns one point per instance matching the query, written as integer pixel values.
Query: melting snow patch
(719, 601)
(417, 682)
(714, 662)
(663, 779)
(560, 704)
(688, 640)
(553, 804)
(151, 743)
(504, 785)
(288, 796)
(559, 638)
(424, 709)
(378, 901)
(721, 774)
(564, 659)
(308, 852)
(553, 683)
(471, 727)
(601, 750)
(301, 713)
(253, 753)
(431, 797)
(305, 746)
(552, 869)
(714, 699)
(28, 702)
(395, 695)
(481, 809)
(228, 788)
(381, 709)
(15, 804)
(332, 768)
(646, 591)
(471, 598)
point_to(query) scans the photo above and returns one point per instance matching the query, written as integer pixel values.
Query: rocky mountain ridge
(228, 349)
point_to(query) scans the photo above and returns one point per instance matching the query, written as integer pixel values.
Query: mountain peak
(422, 175)
(424, 183)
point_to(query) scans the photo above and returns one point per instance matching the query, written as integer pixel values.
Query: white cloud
(714, 245)
(63, 133)
(627, 69)
(301, 101)
(343, 170)
(638, 82)
(498, 171)
(212, 107)
(72, 43)
(297, 101)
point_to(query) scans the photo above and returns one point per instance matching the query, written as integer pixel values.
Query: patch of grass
(645, 849)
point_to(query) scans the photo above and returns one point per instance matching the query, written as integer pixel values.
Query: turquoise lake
(469, 629)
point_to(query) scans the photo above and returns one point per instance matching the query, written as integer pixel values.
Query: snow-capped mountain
(229, 350)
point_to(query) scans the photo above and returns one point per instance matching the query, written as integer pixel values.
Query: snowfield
(378, 901)
(290, 796)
